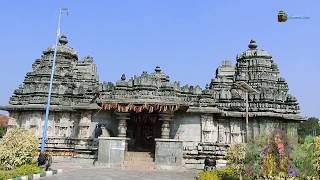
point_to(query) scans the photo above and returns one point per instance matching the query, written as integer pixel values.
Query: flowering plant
(17, 147)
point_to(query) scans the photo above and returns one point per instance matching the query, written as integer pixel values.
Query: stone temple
(177, 125)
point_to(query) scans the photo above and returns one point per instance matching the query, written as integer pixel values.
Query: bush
(24, 170)
(17, 147)
(279, 177)
(303, 156)
(317, 155)
(236, 156)
(219, 174)
(209, 175)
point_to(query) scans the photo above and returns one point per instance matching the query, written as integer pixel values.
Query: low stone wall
(72, 149)
(194, 153)
(168, 154)
(111, 151)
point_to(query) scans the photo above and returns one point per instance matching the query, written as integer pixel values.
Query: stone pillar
(122, 128)
(165, 127)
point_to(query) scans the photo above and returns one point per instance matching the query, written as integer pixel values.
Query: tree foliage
(310, 127)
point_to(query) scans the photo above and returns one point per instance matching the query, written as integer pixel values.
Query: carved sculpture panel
(209, 128)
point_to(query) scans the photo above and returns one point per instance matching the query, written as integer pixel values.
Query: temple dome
(253, 52)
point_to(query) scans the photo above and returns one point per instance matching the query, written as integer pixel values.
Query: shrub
(249, 156)
(317, 155)
(236, 156)
(26, 169)
(219, 174)
(17, 147)
(303, 157)
(279, 177)
(209, 175)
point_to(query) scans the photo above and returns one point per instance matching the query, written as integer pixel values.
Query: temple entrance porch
(142, 129)
(143, 139)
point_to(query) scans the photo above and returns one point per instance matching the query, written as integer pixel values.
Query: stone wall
(64, 124)
(216, 129)
(71, 134)
(106, 119)
(218, 132)
(194, 155)
(186, 127)
(60, 124)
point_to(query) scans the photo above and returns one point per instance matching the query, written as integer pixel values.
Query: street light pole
(45, 127)
(247, 89)
(247, 115)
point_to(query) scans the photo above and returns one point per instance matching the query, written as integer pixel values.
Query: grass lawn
(24, 170)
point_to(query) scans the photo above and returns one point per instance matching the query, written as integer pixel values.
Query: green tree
(310, 127)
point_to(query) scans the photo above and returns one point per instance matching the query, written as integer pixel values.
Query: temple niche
(149, 112)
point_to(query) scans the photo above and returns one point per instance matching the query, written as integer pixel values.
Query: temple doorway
(143, 128)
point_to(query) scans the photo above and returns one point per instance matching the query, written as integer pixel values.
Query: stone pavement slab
(75, 171)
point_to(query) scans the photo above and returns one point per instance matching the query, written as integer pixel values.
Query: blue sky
(187, 38)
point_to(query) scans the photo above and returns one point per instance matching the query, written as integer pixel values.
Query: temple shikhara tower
(177, 125)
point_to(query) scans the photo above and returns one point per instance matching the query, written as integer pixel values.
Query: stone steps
(138, 165)
(139, 161)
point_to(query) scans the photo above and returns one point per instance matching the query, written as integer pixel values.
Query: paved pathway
(80, 172)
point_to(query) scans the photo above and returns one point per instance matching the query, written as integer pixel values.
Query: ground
(80, 172)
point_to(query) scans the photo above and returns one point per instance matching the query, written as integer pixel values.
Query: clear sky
(187, 38)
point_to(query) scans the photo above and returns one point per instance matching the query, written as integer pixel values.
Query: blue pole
(45, 127)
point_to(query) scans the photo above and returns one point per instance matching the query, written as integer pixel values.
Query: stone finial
(157, 69)
(123, 77)
(88, 59)
(253, 44)
(144, 73)
(63, 40)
